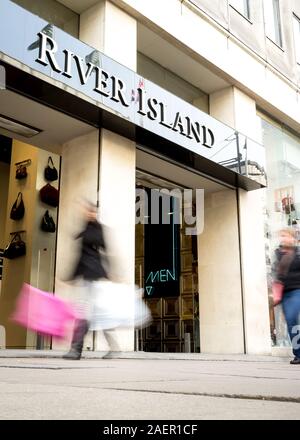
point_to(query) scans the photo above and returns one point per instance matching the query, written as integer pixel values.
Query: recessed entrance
(176, 269)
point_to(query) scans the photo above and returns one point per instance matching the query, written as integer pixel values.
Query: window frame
(296, 44)
(246, 10)
(277, 38)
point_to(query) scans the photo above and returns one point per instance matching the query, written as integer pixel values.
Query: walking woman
(90, 269)
(287, 271)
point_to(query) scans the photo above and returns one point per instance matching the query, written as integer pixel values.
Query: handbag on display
(50, 172)
(49, 195)
(16, 248)
(21, 172)
(18, 209)
(47, 223)
(288, 205)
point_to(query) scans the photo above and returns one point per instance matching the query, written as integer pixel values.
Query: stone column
(220, 297)
(114, 33)
(79, 175)
(238, 110)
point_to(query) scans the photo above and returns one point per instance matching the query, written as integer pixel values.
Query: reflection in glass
(47, 30)
(281, 205)
(247, 159)
(93, 58)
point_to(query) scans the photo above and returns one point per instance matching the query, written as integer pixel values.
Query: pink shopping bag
(42, 312)
(277, 292)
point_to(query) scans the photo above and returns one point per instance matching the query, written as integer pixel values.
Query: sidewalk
(147, 386)
(48, 354)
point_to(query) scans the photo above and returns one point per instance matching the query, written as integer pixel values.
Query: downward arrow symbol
(149, 290)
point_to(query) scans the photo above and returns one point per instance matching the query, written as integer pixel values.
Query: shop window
(282, 204)
(53, 12)
(242, 6)
(296, 24)
(273, 21)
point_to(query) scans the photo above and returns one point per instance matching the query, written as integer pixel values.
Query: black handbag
(18, 209)
(16, 248)
(49, 195)
(50, 172)
(47, 223)
(21, 172)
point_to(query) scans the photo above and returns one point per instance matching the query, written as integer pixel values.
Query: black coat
(90, 265)
(291, 279)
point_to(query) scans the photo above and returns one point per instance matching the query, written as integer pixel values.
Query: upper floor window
(296, 24)
(272, 21)
(241, 6)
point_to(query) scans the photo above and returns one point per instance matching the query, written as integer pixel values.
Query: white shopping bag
(116, 305)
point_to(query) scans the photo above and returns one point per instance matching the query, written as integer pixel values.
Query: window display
(47, 223)
(49, 195)
(18, 209)
(21, 171)
(16, 248)
(50, 172)
(282, 205)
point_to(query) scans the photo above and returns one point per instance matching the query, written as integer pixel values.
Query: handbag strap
(50, 162)
(16, 237)
(17, 202)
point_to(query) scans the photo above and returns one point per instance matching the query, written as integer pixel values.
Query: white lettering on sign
(114, 88)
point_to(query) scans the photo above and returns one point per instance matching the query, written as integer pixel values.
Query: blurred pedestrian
(287, 271)
(90, 269)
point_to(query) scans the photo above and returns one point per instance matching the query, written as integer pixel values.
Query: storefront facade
(110, 131)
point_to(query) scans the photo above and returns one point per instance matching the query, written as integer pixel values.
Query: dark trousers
(291, 310)
(80, 330)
